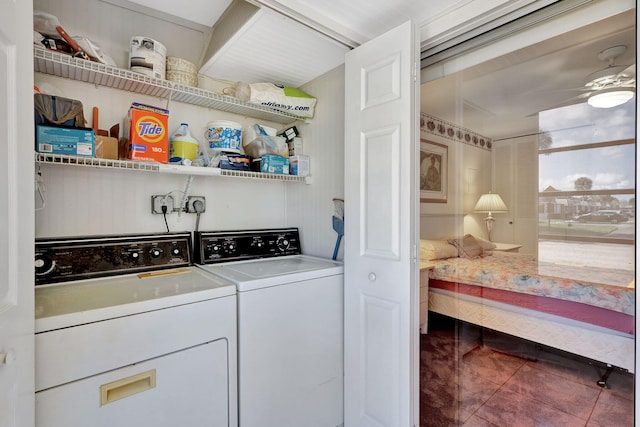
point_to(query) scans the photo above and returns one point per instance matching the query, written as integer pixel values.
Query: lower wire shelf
(62, 159)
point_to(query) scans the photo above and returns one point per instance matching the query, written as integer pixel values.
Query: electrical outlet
(157, 202)
(195, 204)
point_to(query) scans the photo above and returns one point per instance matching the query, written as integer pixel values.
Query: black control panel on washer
(75, 258)
(223, 246)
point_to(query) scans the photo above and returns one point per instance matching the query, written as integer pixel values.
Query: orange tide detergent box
(147, 128)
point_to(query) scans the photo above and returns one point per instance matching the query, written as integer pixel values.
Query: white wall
(310, 207)
(112, 27)
(515, 174)
(469, 177)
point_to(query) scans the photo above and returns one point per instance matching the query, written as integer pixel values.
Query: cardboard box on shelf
(106, 140)
(299, 165)
(289, 133)
(296, 147)
(65, 140)
(146, 136)
(233, 161)
(106, 147)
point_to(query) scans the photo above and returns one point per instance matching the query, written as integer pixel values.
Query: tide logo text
(150, 129)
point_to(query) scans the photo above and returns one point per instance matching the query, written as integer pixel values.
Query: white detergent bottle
(184, 147)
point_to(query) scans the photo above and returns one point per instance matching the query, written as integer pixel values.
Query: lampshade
(490, 203)
(612, 97)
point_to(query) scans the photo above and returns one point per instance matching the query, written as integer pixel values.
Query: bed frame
(613, 348)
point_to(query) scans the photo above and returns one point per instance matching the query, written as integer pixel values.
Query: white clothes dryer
(129, 332)
(290, 326)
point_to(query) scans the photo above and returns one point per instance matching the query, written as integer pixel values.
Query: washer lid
(266, 272)
(84, 301)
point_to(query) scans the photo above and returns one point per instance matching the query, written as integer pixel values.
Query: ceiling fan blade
(548, 91)
(629, 72)
(574, 89)
(570, 101)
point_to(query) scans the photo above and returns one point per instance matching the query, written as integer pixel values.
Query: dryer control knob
(43, 264)
(156, 252)
(283, 244)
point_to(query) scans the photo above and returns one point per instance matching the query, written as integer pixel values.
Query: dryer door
(188, 387)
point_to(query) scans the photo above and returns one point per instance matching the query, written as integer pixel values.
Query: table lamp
(490, 203)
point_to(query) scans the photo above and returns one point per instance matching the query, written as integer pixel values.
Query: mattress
(596, 296)
(593, 342)
(568, 309)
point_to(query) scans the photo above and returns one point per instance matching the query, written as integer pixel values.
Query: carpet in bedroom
(470, 377)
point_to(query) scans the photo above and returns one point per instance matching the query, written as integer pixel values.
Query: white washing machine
(129, 333)
(290, 326)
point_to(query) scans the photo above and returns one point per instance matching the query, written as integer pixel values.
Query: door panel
(381, 81)
(380, 348)
(16, 214)
(381, 232)
(381, 272)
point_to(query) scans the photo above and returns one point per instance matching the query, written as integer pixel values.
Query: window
(586, 200)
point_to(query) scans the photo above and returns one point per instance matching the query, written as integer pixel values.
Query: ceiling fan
(611, 86)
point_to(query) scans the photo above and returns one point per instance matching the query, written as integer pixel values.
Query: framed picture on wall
(433, 172)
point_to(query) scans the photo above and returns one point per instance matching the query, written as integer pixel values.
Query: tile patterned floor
(477, 378)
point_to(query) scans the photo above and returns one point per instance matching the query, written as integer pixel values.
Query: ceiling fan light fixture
(609, 98)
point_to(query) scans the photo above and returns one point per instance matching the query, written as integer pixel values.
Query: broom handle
(337, 248)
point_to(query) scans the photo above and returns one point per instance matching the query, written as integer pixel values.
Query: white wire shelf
(62, 159)
(93, 162)
(62, 65)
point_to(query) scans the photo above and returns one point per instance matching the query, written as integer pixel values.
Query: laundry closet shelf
(93, 162)
(190, 170)
(63, 65)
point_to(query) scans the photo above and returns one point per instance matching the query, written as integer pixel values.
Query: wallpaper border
(442, 128)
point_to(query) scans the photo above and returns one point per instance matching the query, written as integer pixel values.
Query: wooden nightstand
(424, 299)
(507, 247)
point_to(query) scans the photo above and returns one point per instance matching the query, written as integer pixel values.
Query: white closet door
(516, 180)
(381, 273)
(16, 214)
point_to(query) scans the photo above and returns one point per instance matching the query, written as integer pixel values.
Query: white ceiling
(495, 98)
(367, 19)
(255, 53)
(273, 48)
(363, 19)
(203, 12)
(500, 98)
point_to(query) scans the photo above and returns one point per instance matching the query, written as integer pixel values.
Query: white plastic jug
(183, 145)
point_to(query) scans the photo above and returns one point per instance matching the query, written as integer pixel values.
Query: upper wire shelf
(63, 65)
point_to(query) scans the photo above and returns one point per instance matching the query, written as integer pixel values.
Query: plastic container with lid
(148, 56)
(183, 145)
(224, 135)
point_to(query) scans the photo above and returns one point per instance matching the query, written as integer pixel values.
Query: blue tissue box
(64, 140)
(271, 163)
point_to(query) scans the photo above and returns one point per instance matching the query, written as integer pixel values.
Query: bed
(578, 309)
